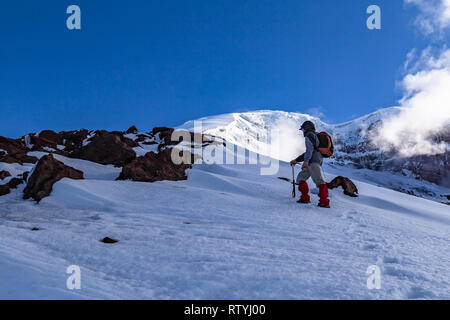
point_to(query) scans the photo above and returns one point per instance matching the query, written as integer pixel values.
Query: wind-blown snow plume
(286, 141)
(426, 109)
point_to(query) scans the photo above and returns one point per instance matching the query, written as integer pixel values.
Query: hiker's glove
(305, 166)
(293, 162)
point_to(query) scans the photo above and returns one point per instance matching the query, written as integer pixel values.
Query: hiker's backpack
(325, 147)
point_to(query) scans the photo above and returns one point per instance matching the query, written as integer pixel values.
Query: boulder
(14, 183)
(165, 135)
(346, 184)
(4, 190)
(109, 240)
(48, 171)
(46, 139)
(132, 129)
(24, 176)
(51, 137)
(73, 139)
(16, 151)
(4, 174)
(154, 167)
(107, 148)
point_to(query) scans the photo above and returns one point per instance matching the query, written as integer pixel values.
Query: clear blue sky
(152, 63)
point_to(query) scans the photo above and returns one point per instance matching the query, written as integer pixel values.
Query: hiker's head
(307, 126)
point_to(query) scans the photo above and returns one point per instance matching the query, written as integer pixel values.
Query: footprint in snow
(419, 293)
(390, 260)
(370, 246)
(362, 225)
(351, 215)
(404, 274)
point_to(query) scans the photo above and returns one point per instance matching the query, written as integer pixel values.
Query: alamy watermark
(224, 152)
(73, 282)
(374, 279)
(374, 20)
(73, 22)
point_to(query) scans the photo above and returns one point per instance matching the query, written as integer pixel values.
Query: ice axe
(293, 181)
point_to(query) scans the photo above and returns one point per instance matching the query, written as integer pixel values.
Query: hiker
(312, 166)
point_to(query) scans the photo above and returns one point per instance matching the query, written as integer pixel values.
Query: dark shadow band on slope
(390, 206)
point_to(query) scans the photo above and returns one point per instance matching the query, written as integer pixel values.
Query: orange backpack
(325, 147)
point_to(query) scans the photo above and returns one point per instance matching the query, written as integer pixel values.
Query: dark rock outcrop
(4, 174)
(109, 240)
(48, 171)
(4, 190)
(165, 136)
(16, 151)
(107, 148)
(101, 147)
(51, 137)
(24, 176)
(45, 139)
(132, 129)
(73, 140)
(14, 183)
(346, 184)
(155, 167)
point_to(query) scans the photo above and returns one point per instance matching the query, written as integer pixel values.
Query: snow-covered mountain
(209, 231)
(276, 133)
(226, 232)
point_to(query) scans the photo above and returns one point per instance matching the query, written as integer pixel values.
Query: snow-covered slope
(225, 233)
(276, 134)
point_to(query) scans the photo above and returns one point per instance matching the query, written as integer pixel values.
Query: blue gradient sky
(153, 63)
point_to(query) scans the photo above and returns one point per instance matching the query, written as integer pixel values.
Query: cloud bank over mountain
(425, 110)
(426, 113)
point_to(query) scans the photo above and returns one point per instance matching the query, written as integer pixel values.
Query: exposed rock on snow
(4, 190)
(73, 139)
(48, 171)
(107, 148)
(4, 174)
(102, 147)
(132, 129)
(164, 135)
(16, 151)
(154, 167)
(346, 184)
(24, 176)
(46, 139)
(109, 240)
(14, 183)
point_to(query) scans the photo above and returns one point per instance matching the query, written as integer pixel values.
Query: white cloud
(426, 107)
(434, 17)
(426, 100)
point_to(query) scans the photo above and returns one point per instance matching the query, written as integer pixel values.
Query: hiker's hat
(308, 126)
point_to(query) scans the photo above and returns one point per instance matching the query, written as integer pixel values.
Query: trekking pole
(293, 181)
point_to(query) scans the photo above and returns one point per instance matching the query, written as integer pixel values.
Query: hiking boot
(303, 201)
(323, 205)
